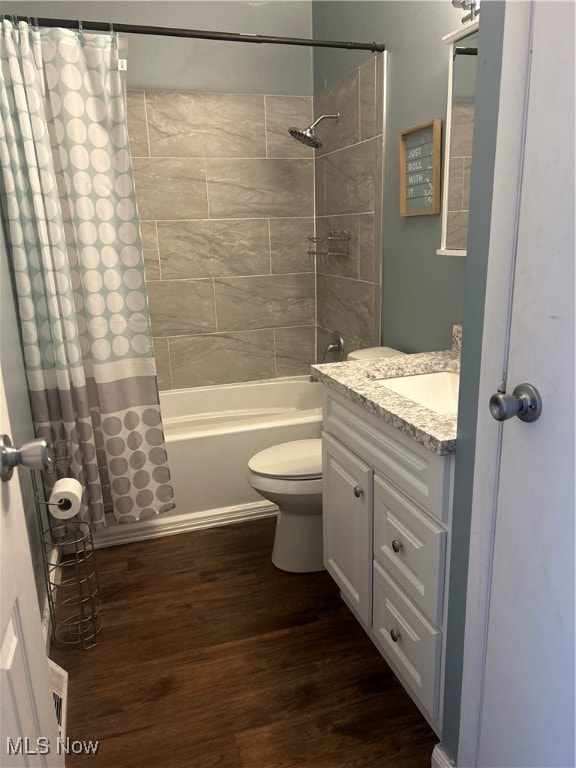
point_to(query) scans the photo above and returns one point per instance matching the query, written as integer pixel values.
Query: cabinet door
(347, 514)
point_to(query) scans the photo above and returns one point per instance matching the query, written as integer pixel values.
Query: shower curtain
(74, 242)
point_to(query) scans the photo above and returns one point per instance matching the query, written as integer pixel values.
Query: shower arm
(323, 117)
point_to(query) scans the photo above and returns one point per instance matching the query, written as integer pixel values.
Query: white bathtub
(211, 433)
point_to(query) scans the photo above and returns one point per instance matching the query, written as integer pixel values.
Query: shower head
(307, 135)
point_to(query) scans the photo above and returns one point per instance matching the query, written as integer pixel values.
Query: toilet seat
(297, 460)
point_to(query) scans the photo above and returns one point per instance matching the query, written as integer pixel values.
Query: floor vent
(59, 680)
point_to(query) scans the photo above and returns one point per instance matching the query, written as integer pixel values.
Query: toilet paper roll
(65, 498)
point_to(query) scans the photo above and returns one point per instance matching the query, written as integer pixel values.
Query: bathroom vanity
(388, 464)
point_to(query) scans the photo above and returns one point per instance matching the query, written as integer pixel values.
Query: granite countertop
(357, 381)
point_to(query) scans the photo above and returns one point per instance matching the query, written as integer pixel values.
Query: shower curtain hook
(80, 30)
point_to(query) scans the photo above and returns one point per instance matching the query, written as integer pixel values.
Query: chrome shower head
(307, 136)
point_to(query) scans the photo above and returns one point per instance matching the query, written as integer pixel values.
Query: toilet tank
(371, 353)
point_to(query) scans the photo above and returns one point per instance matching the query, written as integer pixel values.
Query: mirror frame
(451, 39)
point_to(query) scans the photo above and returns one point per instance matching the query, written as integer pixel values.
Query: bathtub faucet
(336, 345)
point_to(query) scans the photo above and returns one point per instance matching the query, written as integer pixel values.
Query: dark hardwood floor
(210, 657)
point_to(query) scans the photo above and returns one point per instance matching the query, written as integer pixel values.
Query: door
(347, 513)
(28, 729)
(518, 693)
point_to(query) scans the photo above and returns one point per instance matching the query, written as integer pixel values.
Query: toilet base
(298, 542)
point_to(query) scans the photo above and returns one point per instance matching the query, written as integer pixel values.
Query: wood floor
(210, 657)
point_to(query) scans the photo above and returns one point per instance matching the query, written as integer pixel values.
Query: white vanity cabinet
(387, 516)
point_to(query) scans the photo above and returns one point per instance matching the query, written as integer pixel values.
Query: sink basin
(436, 391)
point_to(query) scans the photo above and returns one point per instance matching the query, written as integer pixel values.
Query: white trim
(458, 34)
(53, 558)
(156, 527)
(440, 758)
(451, 252)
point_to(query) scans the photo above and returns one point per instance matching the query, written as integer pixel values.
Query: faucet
(336, 345)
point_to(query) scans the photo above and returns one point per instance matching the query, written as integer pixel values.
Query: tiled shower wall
(226, 202)
(462, 126)
(348, 191)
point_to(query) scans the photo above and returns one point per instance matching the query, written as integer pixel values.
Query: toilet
(290, 476)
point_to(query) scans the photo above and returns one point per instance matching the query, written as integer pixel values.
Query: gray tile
(461, 127)
(377, 333)
(205, 124)
(222, 358)
(289, 245)
(455, 185)
(348, 306)
(181, 307)
(245, 303)
(151, 263)
(378, 210)
(216, 248)
(171, 188)
(330, 260)
(466, 184)
(258, 188)
(283, 112)
(319, 187)
(295, 350)
(380, 93)
(137, 128)
(148, 234)
(342, 97)
(323, 339)
(162, 363)
(350, 177)
(366, 266)
(457, 230)
(368, 125)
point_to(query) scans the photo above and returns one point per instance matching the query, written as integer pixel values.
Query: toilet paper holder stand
(69, 568)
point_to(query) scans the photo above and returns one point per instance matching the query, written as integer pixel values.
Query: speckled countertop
(357, 381)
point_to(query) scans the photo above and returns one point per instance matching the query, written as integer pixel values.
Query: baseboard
(155, 527)
(52, 561)
(440, 758)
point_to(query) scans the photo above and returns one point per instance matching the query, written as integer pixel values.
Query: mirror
(458, 138)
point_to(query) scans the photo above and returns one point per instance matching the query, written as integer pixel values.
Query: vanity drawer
(415, 654)
(411, 546)
(422, 474)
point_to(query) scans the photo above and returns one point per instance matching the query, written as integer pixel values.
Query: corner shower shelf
(338, 242)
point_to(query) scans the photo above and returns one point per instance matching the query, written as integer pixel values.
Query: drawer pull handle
(396, 545)
(395, 635)
(358, 491)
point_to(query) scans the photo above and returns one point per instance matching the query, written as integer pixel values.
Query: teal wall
(206, 65)
(422, 293)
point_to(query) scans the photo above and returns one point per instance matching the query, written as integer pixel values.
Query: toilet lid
(300, 459)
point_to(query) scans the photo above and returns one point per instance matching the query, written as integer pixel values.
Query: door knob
(524, 402)
(36, 454)
(358, 491)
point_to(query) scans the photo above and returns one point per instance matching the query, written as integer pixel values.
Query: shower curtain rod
(236, 37)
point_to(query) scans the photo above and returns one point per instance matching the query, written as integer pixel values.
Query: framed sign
(420, 169)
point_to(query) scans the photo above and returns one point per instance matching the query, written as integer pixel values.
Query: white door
(28, 729)
(518, 693)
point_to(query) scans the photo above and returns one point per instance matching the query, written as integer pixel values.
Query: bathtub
(211, 433)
